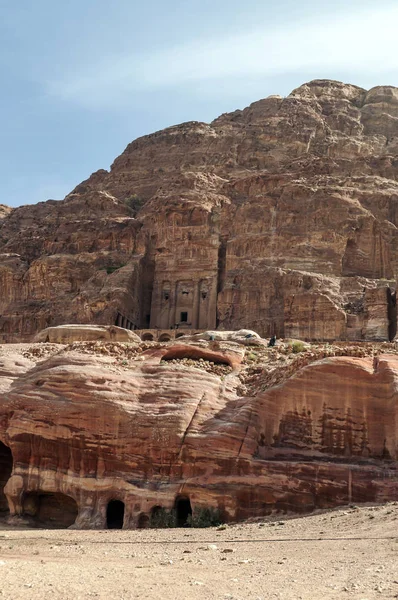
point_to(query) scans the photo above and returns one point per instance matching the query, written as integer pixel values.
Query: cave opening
(6, 464)
(156, 510)
(115, 514)
(183, 510)
(51, 510)
(147, 337)
(143, 521)
(392, 313)
(195, 353)
(164, 338)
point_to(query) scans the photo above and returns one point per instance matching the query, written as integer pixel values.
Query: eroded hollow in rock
(143, 521)
(183, 510)
(5, 473)
(156, 511)
(164, 338)
(147, 337)
(57, 511)
(115, 514)
(194, 353)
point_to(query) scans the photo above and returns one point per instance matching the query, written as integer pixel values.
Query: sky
(83, 78)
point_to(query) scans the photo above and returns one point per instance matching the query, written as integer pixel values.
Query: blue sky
(82, 78)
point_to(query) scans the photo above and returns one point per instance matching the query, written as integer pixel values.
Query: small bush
(134, 203)
(205, 517)
(298, 347)
(163, 519)
(111, 270)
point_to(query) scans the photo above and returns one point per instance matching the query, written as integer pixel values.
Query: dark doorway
(147, 337)
(143, 521)
(156, 511)
(158, 517)
(184, 317)
(57, 511)
(392, 313)
(164, 338)
(183, 510)
(5, 474)
(115, 514)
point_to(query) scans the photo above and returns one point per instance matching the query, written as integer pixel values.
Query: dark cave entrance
(183, 510)
(6, 464)
(165, 338)
(195, 353)
(392, 314)
(115, 514)
(143, 521)
(57, 511)
(156, 511)
(147, 337)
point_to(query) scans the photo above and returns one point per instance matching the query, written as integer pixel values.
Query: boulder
(67, 334)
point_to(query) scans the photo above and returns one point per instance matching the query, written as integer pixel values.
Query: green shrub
(205, 517)
(163, 519)
(134, 203)
(111, 269)
(298, 347)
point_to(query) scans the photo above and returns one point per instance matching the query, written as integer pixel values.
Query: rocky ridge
(193, 425)
(281, 218)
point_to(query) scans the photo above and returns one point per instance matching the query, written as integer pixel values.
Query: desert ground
(350, 552)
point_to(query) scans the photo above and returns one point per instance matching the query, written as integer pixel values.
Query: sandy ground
(345, 553)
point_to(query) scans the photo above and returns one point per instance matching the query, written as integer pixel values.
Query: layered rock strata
(281, 217)
(102, 434)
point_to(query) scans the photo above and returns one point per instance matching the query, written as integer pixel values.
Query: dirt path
(350, 553)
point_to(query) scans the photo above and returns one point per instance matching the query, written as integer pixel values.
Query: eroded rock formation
(102, 434)
(281, 217)
(66, 334)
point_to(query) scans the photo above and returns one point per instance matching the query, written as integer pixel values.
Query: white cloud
(361, 42)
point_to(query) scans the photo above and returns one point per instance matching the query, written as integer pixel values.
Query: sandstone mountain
(281, 218)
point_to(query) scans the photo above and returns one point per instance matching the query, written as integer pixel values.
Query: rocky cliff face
(193, 425)
(281, 218)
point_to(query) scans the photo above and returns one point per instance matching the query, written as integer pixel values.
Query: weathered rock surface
(281, 218)
(243, 336)
(4, 210)
(66, 334)
(201, 423)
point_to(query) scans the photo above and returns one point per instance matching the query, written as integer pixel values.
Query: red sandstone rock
(137, 427)
(280, 218)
